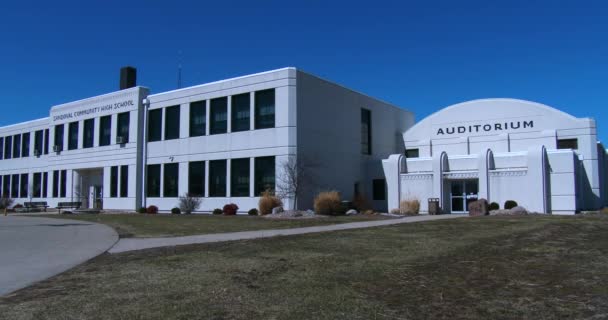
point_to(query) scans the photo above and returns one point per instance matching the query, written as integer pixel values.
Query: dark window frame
(24, 182)
(113, 181)
(263, 118)
(172, 115)
(55, 184)
(170, 180)
(218, 108)
(155, 122)
(124, 181)
(198, 112)
(366, 131)
(17, 146)
(379, 189)
(88, 133)
(63, 184)
(73, 135)
(37, 185)
(15, 186)
(218, 172)
(25, 145)
(238, 168)
(38, 142)
(196, 182)
(58, 137)
(570, 143)
(260, 184)
(105, 131)
(153, 177)
(8, 147)
(412, 153)
(122, 126)
(240, 105)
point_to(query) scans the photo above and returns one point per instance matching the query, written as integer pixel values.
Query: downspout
(144, 159)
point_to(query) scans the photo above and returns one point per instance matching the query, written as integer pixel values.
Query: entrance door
(463, 192)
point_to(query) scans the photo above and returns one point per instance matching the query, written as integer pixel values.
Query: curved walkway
(33, 248)
(131, 244)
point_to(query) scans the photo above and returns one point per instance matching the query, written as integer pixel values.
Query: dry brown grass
(328, 203)
(268, 201)
(409, 207)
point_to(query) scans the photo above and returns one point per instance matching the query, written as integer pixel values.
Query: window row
(216, 177)
(88, 132)
(264, 110)
(124, 181)
(17, 185)
(18, 146)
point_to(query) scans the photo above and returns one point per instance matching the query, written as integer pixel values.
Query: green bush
(510, 204)
(494, 206)
(142, 210)
(253, 212)
(217, 211)
(176, 211)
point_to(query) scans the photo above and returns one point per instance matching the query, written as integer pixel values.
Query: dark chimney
(128, 77)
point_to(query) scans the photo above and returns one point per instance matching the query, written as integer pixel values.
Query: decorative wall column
(486, 163)
(392, 170)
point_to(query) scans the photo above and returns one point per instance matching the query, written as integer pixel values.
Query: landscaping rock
(518, 210)
(478, 208)
(277, 210)
(351, 212)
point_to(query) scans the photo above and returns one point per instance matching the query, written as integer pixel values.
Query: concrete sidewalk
(130, 244)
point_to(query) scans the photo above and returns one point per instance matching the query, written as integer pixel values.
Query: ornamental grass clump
(268, 201)
(410, 207)
(328, 203)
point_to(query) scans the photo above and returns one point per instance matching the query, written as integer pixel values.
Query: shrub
(230, 209)
(268, 201)
(152, 210)
(604, 210)
(5, 202)
(360, 203)
(189, 203)
(510, 204)
(494, 206)
(253, 212)
(176, 211)
(395, 211)
(217, 211)
(410, 207)
(328, 203)
(18, 206)
(142, 210)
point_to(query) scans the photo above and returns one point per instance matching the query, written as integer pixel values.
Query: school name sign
(107, 108)
(486, 127)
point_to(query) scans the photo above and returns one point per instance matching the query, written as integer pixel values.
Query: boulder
(518, 210)
(277, 210)
(351, 212)
(478, 208)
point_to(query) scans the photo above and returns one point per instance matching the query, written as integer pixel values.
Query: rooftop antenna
(179, 69)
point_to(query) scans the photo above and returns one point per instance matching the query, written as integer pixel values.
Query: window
(58, 138)
(73, 136)
(1, 148)
(171, 180)
(1, 191)
(124, 181)
(36, 190)
(15, 186)
(172, 123)
(219, 115)
(264, 174)
(25, 145)
(24, 185)
(45, 183)
(239, 176)
(6, 186)
(55, 184)
(198, 118)
(153, 183)
(567, 144)
(114, 182)
(196, 178)
(122, 128)
(366, 131)
(88, 133)
(105, 130)
(17, 146)
(46, 141)
(264, 109)
(379, 189)
(412, 153)
(62, 189)
(38, 136)
(155, 119)
(217, 178)
(240, 112)
(8, 147)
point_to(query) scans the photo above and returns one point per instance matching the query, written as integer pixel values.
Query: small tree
(5, 202)
(295, 175)
(189, 203)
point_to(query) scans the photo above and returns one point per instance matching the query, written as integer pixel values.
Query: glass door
(462, 193)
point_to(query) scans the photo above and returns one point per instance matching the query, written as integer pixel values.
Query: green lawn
(534, 267)
(146, 225)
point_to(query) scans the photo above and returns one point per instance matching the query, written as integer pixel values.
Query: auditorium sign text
(486, 127)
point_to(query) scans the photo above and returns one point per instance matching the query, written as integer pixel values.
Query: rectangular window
(105, 130)
(567, 144)
(88, 133)
(37, 189)
(196, 178)
(58, 138)
(217, 178)
(17, 146)
(122, 128)
(366, 131)
(170, 180)
(55, 184)
(24, 185)
(38, 136)
(45, 184)
(1, 148)
(25, 145)
(239, 176)
(6, 186)
(153, 183)
(15, 186)
(46, 141)
(8, 144)
(73, 136)
(264, 174)
(412, 153)
(219, 115)
(1, 190)
(114, 182)
(124, 181)
(379, 189)
(198, 118)
(240, 112)
(172, 123)
(64, 180)
(264, 109)
(155, 123)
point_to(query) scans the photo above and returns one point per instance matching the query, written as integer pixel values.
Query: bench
(35, 205)
(65, 205)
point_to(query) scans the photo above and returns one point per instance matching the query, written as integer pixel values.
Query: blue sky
(421, 55)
